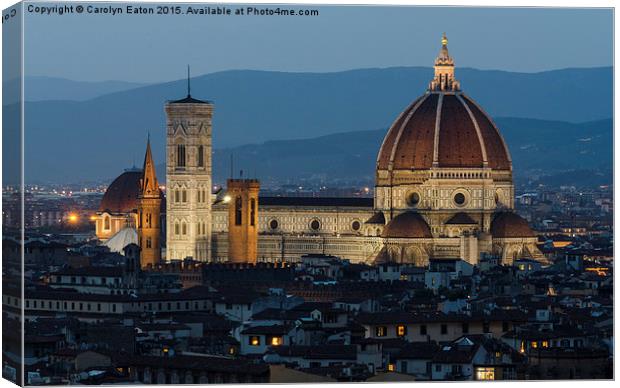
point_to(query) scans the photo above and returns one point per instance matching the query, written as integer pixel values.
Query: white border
(484, 3)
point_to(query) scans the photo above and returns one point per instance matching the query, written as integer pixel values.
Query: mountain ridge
(100, 136)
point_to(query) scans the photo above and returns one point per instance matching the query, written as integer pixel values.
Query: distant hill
(72, 140)
(38, 88)
(537, 147)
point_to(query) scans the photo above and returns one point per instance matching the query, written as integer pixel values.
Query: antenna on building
(188, 83)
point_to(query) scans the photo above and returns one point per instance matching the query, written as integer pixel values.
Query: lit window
(401, 330)
(276, 341)
(534, 344)
(545, 344)
(391, 367)
(381, 331)
(485, 373)
(255, 340)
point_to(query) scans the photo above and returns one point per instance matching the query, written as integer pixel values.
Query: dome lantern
(444, 70)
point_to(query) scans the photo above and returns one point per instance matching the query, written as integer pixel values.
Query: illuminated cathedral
(444, 189)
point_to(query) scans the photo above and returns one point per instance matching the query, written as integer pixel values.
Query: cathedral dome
(407, 225)
(122, 195)
(443, 128)
(510, 225)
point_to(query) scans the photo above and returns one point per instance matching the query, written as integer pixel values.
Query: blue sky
(155, 48)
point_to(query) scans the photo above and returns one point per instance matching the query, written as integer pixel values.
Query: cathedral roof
(460, 218)
(316, 201)
(443, 128)
(122, 195)
(508, 224)
(407, 225)
(377, 218)
(121, 239)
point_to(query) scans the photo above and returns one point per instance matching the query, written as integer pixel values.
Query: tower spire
(444, 70)
(189, 94)
(149, 186)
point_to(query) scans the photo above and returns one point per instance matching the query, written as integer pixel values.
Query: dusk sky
(151, 48)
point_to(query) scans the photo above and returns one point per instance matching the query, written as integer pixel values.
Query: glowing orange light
(73, 217)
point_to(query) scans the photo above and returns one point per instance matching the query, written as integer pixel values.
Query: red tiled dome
(464, 135)
(407, 225)
(122, 195)
(510, 225)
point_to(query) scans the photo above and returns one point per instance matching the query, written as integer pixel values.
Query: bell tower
(149, 209)
(243, 220)
(188, 178)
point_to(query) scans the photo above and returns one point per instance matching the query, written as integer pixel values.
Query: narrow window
(201, 156)
(184, 195)
(181, 155)
(252, 211)
(148, 242)
(238, 208)
(184, 228)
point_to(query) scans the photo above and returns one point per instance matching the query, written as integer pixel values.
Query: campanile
(188, 178)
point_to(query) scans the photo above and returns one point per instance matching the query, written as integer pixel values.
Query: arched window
(106, 223)
(238, 208)
(176, 228)
(201, 156)
(181, 155)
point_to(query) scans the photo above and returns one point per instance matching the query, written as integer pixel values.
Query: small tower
(444, 70)
(243, 220)
(149, 209)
